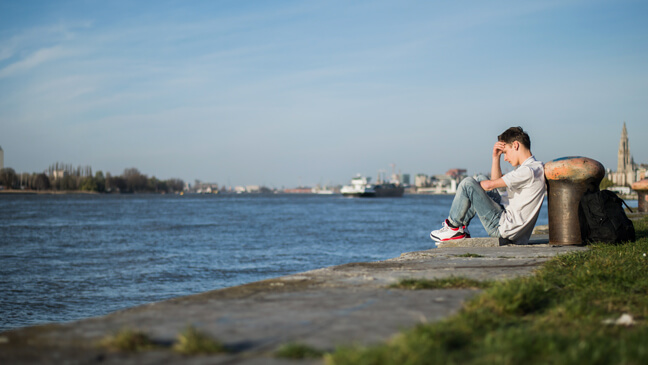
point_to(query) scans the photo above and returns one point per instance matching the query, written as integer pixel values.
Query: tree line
(65, 177)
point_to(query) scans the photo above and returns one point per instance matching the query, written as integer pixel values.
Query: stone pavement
(324, 308)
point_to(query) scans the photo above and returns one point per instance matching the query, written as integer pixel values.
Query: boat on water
(361, 187)
(389, 190)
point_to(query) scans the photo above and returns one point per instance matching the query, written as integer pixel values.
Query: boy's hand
(498, 149)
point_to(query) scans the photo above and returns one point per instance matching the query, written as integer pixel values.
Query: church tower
(626, 168)
(625, 162)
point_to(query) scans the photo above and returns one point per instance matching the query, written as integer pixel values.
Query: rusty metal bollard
(641, 187)
(568, 178)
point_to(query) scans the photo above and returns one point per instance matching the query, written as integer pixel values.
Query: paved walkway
(322, 308)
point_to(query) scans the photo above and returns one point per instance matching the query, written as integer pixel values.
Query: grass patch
(193, 342)
(128, 340)
(556, 316)
(452, 282)
(298, 351)
(468, 254)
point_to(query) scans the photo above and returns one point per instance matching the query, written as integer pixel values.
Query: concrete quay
(324, 308)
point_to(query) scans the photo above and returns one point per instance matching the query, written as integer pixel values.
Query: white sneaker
(447, 233)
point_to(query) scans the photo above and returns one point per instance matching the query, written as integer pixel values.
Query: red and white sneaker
(447, 233)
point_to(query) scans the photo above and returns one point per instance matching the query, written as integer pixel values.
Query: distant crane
(381, 176)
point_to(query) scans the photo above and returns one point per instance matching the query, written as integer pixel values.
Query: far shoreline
(45, 192)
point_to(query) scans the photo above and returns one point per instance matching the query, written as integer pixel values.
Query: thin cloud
(5, 52)
(35, 59)
(39, 37)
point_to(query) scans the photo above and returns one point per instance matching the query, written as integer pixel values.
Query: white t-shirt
(525, 191)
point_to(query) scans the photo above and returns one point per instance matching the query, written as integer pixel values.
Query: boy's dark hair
(515, 134)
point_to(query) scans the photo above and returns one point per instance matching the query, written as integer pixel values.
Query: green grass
(556, 316)
(193, 342)
(298, 351)
(190, 342)
(468, 254)
(452, 282)
(128, 340)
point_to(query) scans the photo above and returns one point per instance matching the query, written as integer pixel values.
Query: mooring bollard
(568, 179)
(641, 187)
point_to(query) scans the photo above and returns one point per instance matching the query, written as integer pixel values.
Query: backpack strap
(626, 204)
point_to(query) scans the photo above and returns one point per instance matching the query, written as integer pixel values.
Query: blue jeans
(471, 199)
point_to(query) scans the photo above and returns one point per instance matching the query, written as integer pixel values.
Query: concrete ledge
(323, 308)
(540, 236)
(535, 240)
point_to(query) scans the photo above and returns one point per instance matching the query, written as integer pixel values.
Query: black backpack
(602, 218)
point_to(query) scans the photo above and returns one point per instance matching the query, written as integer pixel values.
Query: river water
(67, 257)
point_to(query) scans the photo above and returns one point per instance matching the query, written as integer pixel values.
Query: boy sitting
(511, 215)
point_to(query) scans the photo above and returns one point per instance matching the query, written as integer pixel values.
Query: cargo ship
(362, 188)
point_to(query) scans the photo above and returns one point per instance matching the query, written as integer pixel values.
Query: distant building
(406, 179)
(627, 171)
(1, 158)
(299, 190)
(248, 189)
(422, 181)
(437, 184)
(58, 174)
(445, 184)
(204, 188)
(456, 173)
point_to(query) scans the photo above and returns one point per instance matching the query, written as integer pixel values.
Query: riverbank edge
(354, 296)
(46, 192)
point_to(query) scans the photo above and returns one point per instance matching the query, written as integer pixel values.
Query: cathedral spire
(626, 167)
(624, 151)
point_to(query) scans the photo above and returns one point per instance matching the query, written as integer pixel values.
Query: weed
(468, 254)
(452, 282)
(192, 342)
(128, 340)
(298, 351)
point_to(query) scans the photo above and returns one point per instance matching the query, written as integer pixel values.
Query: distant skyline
(282, 93)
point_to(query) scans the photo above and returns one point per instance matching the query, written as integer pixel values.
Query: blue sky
(283, 93)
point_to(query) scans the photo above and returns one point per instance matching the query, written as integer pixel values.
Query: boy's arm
(496, 169)
(492, 184)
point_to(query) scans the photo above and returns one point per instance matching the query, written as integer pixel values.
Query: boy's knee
(469, 181)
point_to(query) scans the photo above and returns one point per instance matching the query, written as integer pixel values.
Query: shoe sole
(436, 239)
